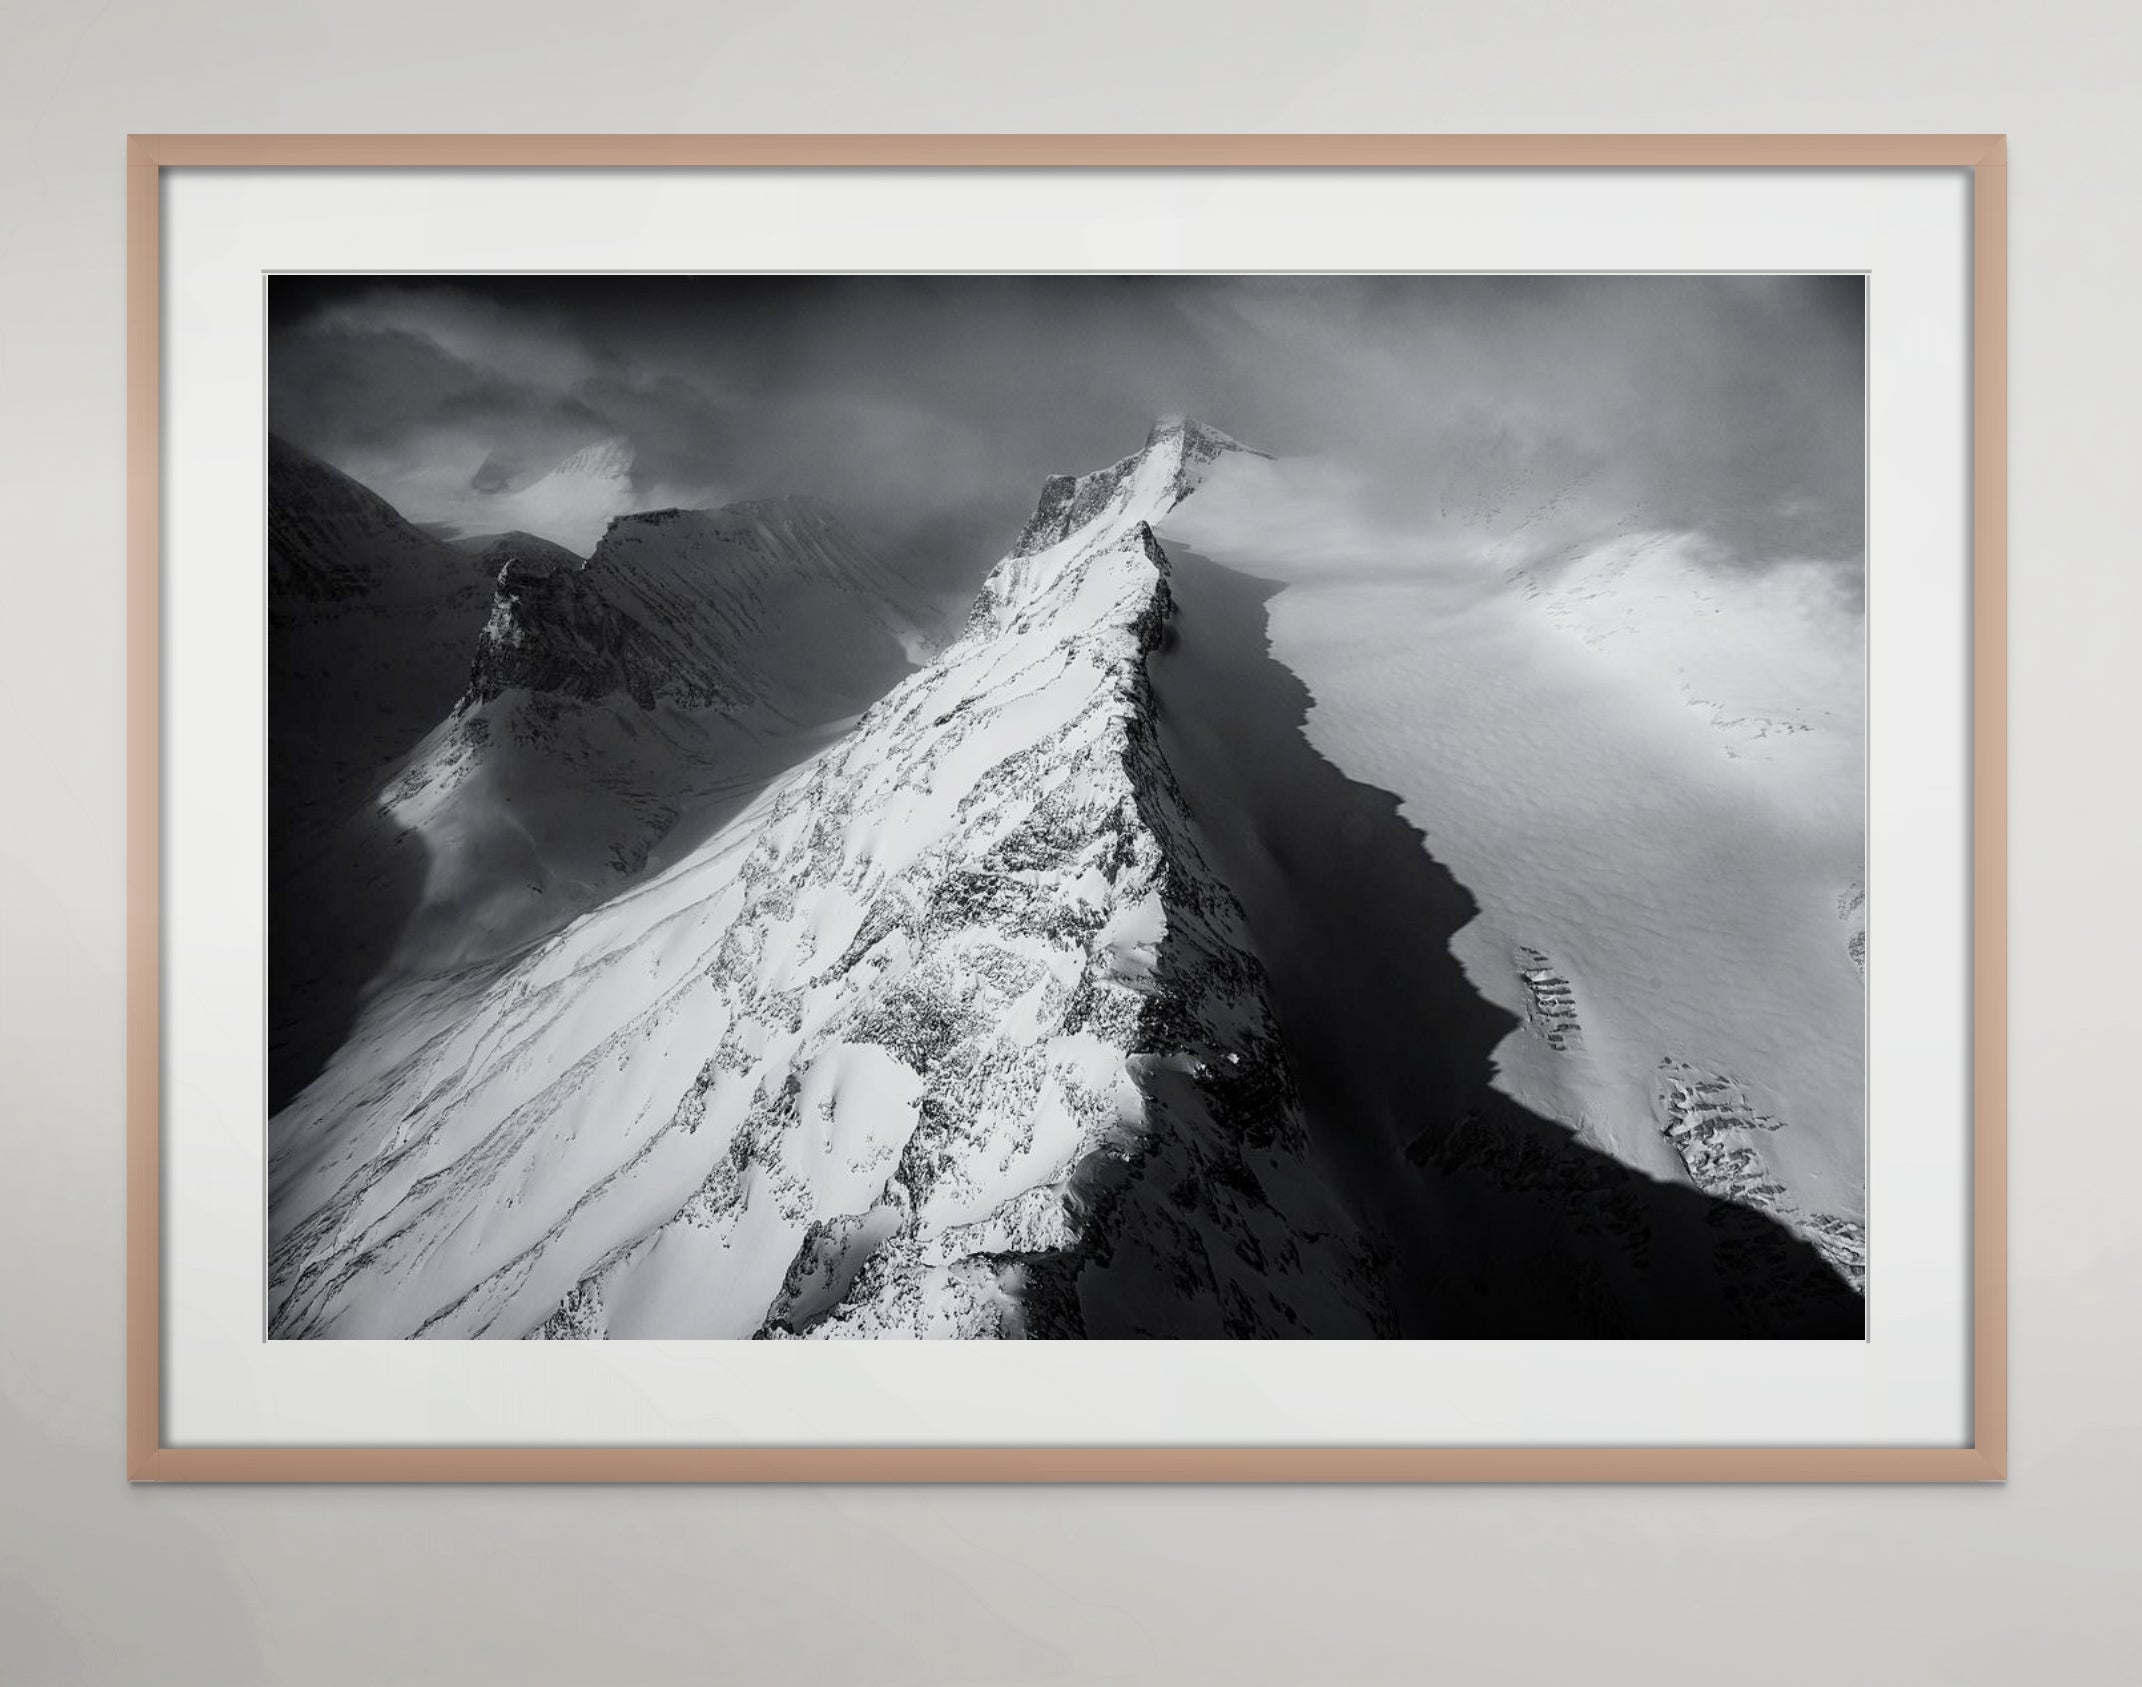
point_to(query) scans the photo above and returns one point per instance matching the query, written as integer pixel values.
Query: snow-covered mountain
(1069, 992)
(618, 710)
(570, 500)
(877, 1058)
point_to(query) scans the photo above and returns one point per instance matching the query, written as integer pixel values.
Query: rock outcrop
(770, 605)
(619, 710)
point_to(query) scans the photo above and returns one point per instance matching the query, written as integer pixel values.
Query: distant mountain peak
(506, 471)
(792, 512)
(605, 459)
(332, 538)
(700, 607)
(1202, 438)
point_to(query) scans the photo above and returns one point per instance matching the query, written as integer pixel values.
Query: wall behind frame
(102, 1583)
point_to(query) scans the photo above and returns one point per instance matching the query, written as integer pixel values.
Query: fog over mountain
(927, 408)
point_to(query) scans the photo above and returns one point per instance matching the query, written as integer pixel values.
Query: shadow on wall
(1482, 1219)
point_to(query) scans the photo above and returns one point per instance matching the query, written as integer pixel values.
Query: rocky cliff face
(953, 1032)
(770, 604)
(620, 710)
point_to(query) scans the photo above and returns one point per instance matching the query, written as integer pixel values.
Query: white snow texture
(1242, 926)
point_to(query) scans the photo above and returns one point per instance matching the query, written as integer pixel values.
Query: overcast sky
(929, 409)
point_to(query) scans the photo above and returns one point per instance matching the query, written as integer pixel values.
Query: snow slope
(948, 1034)
(1646, 768)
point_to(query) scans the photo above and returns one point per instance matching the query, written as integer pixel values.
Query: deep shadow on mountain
(335, 914)
(343, 876)
(370, 623)
(350, 901)
(1483, 1219)
(560, 728)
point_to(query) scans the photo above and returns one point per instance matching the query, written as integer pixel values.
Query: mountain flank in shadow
(1485, 1220)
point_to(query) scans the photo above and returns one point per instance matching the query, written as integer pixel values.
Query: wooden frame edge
(1057, 1465)
(1989, 803)
(1030, 151)
(1985, 1459)
(144, 779)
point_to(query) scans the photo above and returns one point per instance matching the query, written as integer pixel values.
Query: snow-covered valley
(1253, 923)
(1646, 771)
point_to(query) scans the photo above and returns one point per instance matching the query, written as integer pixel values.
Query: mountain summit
(1166, 470)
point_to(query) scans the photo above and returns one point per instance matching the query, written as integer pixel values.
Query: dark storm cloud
(931, 408)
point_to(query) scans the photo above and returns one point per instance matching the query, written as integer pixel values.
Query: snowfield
(1096, 982)
(1647, 770)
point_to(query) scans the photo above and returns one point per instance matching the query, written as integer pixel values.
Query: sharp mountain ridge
(951, 1033)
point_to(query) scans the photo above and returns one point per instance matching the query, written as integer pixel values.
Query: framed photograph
(1061, 808)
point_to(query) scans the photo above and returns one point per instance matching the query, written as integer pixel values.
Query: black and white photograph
(1066, 806)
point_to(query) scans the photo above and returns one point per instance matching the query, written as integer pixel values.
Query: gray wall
(102, 1583)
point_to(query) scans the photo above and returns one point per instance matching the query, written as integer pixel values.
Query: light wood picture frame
(1983, 1458)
